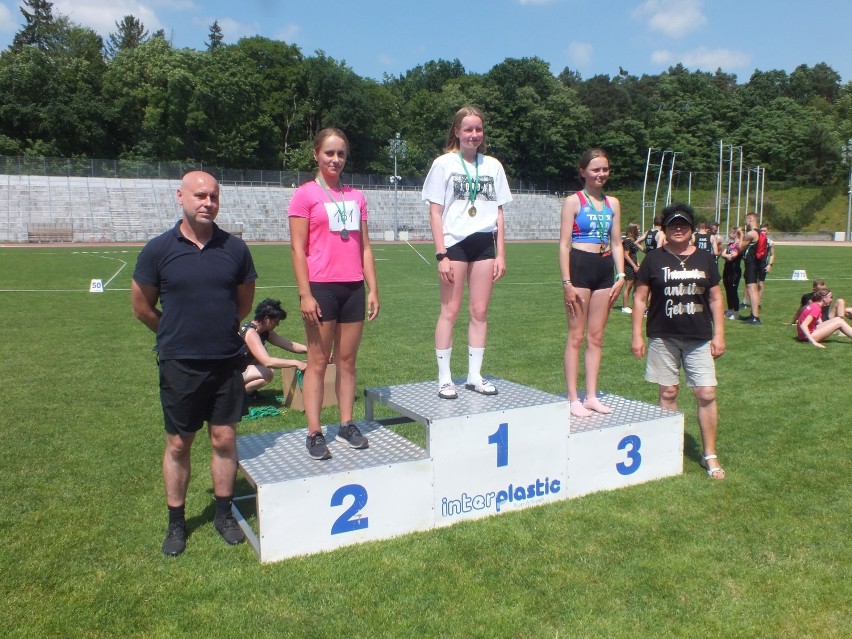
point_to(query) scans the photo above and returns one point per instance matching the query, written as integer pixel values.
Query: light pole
(846, 154)
(397, 148)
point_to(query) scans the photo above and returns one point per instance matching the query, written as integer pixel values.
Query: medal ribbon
(472, 185)
(341, 208)
(601, 229)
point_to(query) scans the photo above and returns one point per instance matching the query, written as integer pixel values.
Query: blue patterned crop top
(590, 225)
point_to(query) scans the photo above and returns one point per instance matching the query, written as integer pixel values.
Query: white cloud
(580, 54)
(289, 33)
(232, 29)
(673, 18)
(7, 21)
(101, 15)
(703, 58)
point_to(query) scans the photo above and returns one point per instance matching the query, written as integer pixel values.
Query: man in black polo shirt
(204, 280)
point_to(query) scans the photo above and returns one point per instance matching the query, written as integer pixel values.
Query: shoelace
(353, 429)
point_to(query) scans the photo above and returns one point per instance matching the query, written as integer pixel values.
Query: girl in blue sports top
(590, 251)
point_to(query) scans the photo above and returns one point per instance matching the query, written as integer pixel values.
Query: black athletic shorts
(341, 302)
(474, 248)
(751, 270)
(193, 391)
(591, 270)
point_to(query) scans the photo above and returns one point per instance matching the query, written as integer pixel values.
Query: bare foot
(593, 403)
(578, 410)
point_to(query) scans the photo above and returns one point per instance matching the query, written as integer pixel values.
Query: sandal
(448, 391)
(713, 473)
(578, 410)
(484, 387)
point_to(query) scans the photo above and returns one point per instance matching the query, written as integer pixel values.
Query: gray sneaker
(348, 433)
(230, 530)
(175, 541)
(317, 447)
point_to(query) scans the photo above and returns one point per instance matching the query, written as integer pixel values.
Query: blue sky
(376, 37)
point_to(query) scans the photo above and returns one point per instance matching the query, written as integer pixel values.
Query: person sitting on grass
(811, 327)
(255, 334)
(837, 309)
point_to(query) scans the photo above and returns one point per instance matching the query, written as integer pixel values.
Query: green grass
(765, 553)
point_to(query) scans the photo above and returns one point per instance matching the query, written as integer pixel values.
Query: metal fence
(151, 169)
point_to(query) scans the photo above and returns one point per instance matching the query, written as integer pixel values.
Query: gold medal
(472, 211)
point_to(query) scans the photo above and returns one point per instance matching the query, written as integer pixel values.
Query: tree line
(65, 92)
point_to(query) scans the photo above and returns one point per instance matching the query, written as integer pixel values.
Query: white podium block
(490, 454)
(96, 286)
(305, 505)
(638, 442)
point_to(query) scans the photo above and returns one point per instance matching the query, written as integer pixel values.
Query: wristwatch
(441, 256)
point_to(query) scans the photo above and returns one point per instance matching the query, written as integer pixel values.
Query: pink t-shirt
(814, 309)
(331, 258)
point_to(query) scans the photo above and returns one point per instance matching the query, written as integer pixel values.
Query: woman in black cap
(685, 327)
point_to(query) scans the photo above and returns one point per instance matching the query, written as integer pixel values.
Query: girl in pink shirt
(810, 326)
(332, 262)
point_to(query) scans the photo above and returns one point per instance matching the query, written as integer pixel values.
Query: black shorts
(341, 302)
(474, 248)
(591, 270)
(751, 270)
(193, 391)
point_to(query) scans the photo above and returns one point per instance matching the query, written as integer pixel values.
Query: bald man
(204, 280)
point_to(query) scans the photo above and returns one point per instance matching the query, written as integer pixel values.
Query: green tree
(38, 27)
(149, 88)
(215, 38)
(282, 90)
(129, 34)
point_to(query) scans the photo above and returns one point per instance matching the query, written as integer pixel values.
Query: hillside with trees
(65, 92)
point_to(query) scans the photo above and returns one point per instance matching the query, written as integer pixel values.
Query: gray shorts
(666, 355)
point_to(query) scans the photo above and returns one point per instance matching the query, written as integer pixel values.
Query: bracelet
(618, 276)
(565, 282)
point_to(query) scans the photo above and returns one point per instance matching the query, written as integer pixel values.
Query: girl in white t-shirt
(466, 191)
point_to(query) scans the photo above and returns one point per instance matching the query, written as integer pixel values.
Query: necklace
(472, 185)
(341, 208)
(682, 261)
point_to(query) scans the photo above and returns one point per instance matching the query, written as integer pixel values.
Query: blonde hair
(452, 138)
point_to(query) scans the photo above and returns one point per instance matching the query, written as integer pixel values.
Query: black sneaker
(175, 542)
(317, 448)
(349, 434)
(230, 530)
(754, 321)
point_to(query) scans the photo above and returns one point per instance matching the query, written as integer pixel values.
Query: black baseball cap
(679, 211)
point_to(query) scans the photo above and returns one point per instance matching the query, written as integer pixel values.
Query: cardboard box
(293, 394)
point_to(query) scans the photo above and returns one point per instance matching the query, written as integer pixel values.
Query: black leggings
(731, 274)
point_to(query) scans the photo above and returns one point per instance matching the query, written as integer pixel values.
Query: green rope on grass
(258, 412)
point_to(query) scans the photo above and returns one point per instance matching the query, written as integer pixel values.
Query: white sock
(474, 364)
(444, 375)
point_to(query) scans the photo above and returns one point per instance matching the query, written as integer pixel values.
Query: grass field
(765, 553)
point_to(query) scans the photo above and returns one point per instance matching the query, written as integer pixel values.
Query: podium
(483, 455)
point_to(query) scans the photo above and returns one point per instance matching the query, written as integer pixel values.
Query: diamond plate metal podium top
(420, 402)
(267, 458)
(624, 411)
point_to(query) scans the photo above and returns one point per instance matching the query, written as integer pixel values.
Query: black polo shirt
(198, 292)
